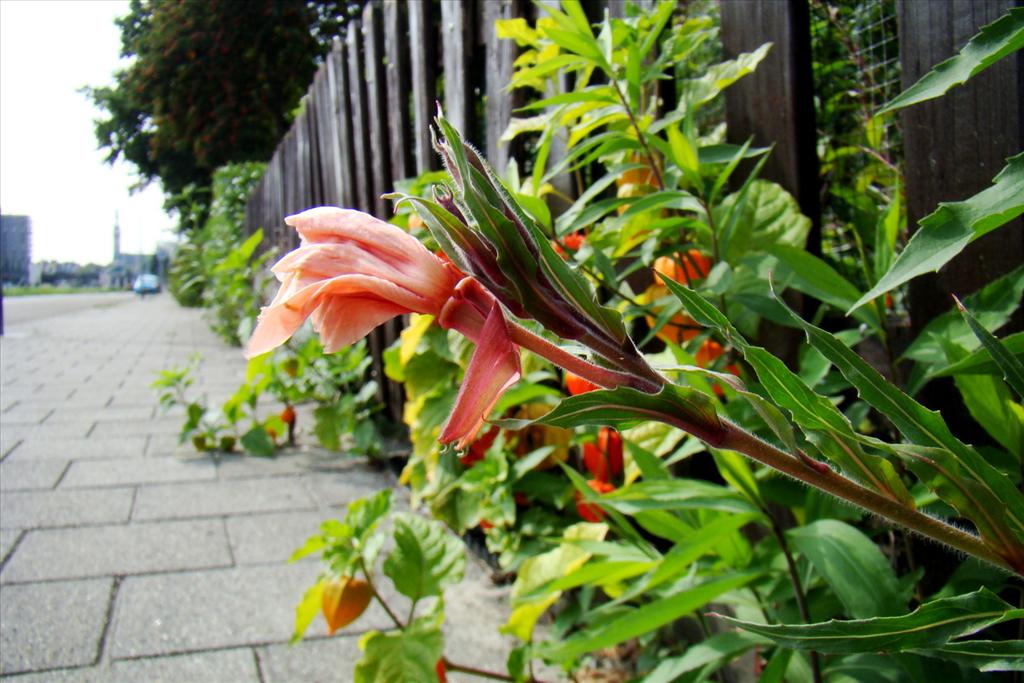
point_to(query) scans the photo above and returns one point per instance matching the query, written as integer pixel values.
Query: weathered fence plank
(379, 159)
(500, 54)
(456, 42)
(956, 144)
(396, 44)
(775, 104)
(423, 73)
(356, 97)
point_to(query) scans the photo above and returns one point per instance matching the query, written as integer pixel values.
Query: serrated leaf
(811, 275)
(980, 362)
(408, 655)
(1012, 368)
(984, 655)
(426, 558)
(813, 412)
(931, 625)
(915, 422)
(643, 619)
(995, 41)
(853, 566)
(676, 494)
(944, 233)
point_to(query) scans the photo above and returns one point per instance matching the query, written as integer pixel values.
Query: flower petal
(493, 368)
(343, 321)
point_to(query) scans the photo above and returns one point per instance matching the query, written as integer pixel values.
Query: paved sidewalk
(128, 558)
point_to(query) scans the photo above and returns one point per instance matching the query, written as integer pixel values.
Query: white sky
(50, 167)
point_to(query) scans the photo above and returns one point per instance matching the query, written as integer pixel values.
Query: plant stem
(798, 589)
(604, 377)
(482, 673)
(829, 481)
(639, 133)
(373, 589)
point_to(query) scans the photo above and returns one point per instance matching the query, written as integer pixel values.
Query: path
(126, 557)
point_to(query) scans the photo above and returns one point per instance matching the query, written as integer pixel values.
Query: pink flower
(353, 272)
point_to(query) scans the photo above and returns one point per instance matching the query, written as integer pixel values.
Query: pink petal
(343, 321)
(493, 368)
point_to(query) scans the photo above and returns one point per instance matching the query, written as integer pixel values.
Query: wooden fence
(366, 120)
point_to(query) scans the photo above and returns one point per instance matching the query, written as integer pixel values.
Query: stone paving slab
(8, 537)
(118, 550)
(341, 488)
(39, 509)
(173, 613)
(209, 499)
(22, 413)
(270, 538)
(25, 474)
(125, 471)
(69, 414)
(52, 625)
(224, 666)
(118, 428)
(321, 659)
(69, 430)
(78, 449)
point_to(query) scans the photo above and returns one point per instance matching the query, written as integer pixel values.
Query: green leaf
(761, 217)
(915, 422)
(675, 494)
(699, 91)
(409, 655)
(853, 566)
(426, 558)
(622, 407)
(980, 362)
(1012, 368)
(931, 625)
(257, 442)
(1002, 37)
(307, 609)
(541, 569)
(810, 275)
(944, 233)
(984, 655)
(716, 651)
(639, 620)
(813, 412)
(992, 305)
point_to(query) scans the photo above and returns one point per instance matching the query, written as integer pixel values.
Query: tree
(210, 82)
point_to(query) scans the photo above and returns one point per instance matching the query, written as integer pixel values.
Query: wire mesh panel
(855, 49)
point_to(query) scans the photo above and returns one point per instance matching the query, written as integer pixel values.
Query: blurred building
(124, 267)
(15, 249)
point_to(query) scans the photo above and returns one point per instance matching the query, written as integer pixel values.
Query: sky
(50, 166)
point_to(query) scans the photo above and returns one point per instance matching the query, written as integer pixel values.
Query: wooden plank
(456, 41)
(423, 74)
(356, 98)
(775, 104)
(396, 44)
(338, 80)
(379, 159)
(956, 144)
(500, 55)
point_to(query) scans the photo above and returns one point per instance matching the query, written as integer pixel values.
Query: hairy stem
(380, 599)
(829, 481)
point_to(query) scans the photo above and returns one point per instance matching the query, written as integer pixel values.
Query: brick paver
(125, 556)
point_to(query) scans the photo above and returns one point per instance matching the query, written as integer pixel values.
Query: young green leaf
(716, 651)
(853, 566)
(932, 625)
(307, 609)
(426, 558)
(257, 442)
(643, 619)
(408, 655)
(944, 233)
(1002, 37)
(1012, 368)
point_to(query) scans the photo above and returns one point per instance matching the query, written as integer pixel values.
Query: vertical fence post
(423, 65)
(956, 144)
(500, 100)
(457, 40)
(775, 104)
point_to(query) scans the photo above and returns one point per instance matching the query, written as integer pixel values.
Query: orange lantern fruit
(343, 600)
